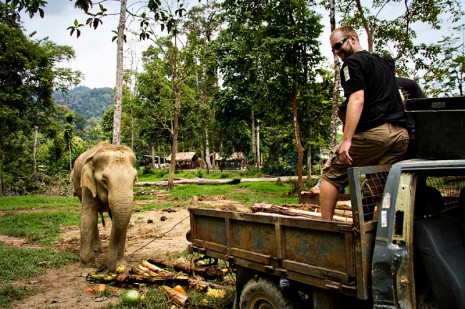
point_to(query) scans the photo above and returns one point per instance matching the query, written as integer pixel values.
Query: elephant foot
(87, 260)
(87, 264)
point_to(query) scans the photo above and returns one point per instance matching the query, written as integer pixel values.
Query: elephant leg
(89, 231)
(96, 244)
(118, 240)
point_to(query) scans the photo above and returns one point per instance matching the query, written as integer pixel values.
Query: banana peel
(216, 293)
(102, 277)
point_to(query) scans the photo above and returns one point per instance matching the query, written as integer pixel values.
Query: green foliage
(29, 75)
(85, 101)
(282, 35)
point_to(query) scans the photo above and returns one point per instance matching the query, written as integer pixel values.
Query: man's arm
(354, 111)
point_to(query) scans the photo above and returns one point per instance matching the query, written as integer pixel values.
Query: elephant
(103, 178)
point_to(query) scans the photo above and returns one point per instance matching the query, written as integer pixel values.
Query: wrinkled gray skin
(103, 178)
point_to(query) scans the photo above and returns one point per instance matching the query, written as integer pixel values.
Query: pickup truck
(404, 246)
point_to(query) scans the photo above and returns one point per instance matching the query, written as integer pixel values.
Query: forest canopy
(221, 77)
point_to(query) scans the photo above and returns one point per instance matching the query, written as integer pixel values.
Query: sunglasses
(339, 44)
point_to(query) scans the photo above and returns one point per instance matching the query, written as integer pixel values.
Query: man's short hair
(345, 30)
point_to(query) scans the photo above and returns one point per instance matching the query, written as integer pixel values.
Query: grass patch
(188, 191)
(18, 263)
(10, 293)
(41, 227)
(37, 202)
(249, 199)
(267, 187)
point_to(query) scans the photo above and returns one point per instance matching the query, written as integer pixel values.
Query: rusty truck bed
(330, 255)
(323, 254)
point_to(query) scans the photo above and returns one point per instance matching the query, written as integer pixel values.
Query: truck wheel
(261, 293)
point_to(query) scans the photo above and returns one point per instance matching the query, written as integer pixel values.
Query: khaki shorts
(385, 144)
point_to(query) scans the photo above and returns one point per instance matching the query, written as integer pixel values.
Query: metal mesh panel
(366, 187)
(372, 188)
(449, 186)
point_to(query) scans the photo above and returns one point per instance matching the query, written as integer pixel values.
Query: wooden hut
(185, 160)
(235, 161)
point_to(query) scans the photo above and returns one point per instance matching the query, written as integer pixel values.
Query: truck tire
(261, 293)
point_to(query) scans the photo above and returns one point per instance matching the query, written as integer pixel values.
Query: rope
(157, 237)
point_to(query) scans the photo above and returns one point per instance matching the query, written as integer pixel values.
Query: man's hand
(344, 155)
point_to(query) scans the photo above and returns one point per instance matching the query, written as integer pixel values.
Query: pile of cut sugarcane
(147, 272)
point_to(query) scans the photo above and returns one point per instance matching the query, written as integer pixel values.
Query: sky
(96, 53)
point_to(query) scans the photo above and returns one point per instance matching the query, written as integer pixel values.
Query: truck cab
(419, 248)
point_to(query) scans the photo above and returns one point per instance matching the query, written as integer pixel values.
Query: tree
(117, 110)
(26, 83)
(159, 14)
(268, 53)
(202, 25)
(444, 75)
(68, 136)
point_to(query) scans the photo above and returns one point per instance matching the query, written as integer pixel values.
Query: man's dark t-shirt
(382, 102)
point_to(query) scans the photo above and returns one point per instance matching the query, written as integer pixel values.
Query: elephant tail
(103, 219)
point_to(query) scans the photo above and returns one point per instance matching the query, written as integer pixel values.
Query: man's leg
(328, 199)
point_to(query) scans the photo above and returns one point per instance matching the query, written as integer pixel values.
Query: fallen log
(172, 280)
(179, 298)
(269, 208)
(201, 285)
(207, 272)
(197, 181)
(155, 268)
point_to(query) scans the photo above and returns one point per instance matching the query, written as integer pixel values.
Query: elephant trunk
(121, 207)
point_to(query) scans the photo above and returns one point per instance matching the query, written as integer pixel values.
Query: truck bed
(309, 251)
(330, 255)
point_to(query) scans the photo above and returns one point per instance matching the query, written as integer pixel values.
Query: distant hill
(86, 101)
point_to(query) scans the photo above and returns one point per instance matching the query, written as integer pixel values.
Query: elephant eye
(104, 181)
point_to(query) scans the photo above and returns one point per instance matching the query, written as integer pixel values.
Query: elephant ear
(87, 176)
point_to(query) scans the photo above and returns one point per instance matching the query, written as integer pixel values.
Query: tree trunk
(119, 75)
(70, 156)
(300, 151)
(366, 26)
(309, 162)
(153, 157)
(174, 146)
(207, 151)
(1, 162)
(34, 151)
(337, 80)
(254, 142)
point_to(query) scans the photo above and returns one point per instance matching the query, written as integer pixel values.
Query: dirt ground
(150, 234)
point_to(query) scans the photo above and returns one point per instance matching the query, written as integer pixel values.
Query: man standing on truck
(374, 130)
(411, 90)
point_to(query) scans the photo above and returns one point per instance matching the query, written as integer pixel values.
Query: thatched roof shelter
(184, 157)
